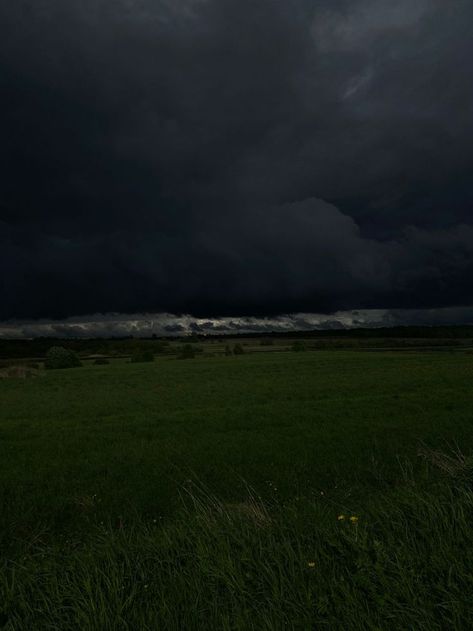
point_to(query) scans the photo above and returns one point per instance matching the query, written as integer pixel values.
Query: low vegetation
(142, 357)
(19, 372)
(187, 351)
(60, 357)
(279, 491)
(402, 562)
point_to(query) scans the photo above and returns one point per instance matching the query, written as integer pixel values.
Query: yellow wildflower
(311, 564)
(341, 518)
(354, 519)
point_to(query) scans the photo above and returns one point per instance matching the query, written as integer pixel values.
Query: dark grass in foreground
(405, 563)
(315, 435)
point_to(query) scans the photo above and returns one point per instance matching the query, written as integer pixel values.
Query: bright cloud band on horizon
(166, 324)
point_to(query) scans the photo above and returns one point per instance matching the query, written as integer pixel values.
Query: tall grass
(404, 562)
(317, 435)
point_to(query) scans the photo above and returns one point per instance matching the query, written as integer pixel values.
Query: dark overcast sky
(221, 157)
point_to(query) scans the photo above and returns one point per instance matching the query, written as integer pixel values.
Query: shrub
(142, 357)
(60, 357)
(101, 361)
(238, 349)
(228, 350)
(298, 347)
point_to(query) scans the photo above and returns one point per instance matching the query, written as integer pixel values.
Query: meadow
(273, 490)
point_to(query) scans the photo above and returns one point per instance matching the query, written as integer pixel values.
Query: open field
(180, 494)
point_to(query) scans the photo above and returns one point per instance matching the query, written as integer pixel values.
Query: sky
(232, 159)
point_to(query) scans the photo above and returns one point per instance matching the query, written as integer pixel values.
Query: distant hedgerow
(186, 352)
(60, 357)
(142, 357)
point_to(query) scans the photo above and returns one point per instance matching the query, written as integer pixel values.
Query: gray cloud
(277, 259)
(165, 324)
(224, 156)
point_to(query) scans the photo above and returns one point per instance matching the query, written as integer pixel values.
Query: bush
(101, 361)
(298, 347)
(142, 357)
(228, 350)
(238, 349)
(60, 357)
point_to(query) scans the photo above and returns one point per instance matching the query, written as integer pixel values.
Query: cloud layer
(172, 325)
(220, 156)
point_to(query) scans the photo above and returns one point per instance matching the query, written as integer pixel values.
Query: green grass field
(205, 494)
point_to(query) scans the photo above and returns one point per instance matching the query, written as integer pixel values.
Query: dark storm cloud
(224, 156)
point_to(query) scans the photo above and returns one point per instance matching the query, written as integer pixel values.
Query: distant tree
(298, 347)
(142, 357)
(238, 349)
(60, 357)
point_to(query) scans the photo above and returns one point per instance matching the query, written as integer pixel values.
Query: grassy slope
(303, 423)
(130, 434)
